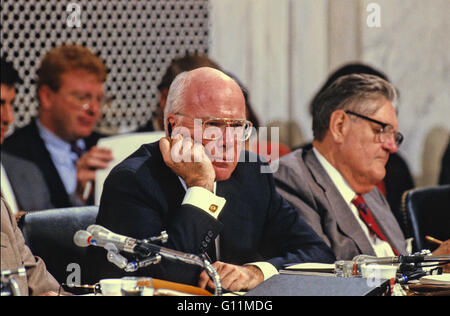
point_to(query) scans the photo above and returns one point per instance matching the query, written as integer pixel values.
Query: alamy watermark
(226, 145)
(74, 276)
(374, 17)
(74, 17)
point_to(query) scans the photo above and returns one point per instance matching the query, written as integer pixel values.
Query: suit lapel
(336, 204)
(42, 158)
(238, 220)
(386, 221)
(22, 192)
(169, 181)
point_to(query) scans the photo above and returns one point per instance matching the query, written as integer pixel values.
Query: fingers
(188, 160)
(95, 158)
(203, 279)
(176, 149)
(164, 146)
(443, 249)
(233, 278)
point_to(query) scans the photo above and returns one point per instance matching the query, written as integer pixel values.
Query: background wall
(137, 40)
(283, 50)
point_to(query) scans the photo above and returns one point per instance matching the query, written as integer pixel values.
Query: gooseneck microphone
(400, 259)
(98, 236)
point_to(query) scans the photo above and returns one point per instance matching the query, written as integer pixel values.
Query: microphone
(99, 236)
(82, 238)
(400, 259)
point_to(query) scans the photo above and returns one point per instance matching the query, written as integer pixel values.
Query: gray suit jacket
(303, 181)
(27, 182)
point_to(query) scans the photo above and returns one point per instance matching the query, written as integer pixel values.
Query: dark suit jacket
(27, 144)
(30, 190)
(398, 180)
(444, 176)
(303, 181)
(142, 197)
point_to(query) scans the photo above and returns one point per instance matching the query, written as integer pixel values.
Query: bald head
(202, 95)
(201, 88)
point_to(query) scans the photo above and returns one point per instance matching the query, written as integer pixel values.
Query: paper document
(443, 279)
(312, 267)
(122, 146)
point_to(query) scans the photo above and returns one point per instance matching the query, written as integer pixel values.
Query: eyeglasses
(86, 101)
(386, 131)
(214, 128)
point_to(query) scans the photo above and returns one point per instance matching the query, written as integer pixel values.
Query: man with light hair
(209, 204)
(60, 140)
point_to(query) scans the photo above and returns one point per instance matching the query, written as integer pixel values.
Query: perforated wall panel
(137, 39)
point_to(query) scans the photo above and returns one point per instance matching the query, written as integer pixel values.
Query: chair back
(426, 211)
(49, 235)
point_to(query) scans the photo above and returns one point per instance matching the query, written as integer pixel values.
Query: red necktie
(367, 217)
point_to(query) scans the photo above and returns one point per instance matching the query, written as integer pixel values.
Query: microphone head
(97, 229)
(81, 238)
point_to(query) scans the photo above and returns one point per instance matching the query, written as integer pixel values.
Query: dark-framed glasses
(215, 128)
(385, 133)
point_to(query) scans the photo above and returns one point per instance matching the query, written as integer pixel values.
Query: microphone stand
(410, 267)
(9, 285)
(152, 254)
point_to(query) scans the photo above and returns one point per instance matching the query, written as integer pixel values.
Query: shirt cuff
(267, 269)
(205, 200)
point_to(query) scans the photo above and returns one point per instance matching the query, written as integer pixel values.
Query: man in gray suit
(333, 182)
(22, 184)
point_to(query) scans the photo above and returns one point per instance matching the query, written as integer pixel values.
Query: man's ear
(171, 122)
(45, 97)
(339, 125)
(163, 98)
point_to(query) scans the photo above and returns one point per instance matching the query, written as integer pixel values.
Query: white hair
(175, 99)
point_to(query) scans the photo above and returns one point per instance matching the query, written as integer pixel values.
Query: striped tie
(367, 217)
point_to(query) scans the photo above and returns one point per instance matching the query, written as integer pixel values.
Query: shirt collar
(343, 187)
(54, 141)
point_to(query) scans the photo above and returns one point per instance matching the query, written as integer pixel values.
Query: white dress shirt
(7, 192)
(380, 247)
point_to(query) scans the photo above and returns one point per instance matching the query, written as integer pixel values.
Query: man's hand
(50, 293)
(233, 278)
(95, 158)
(443, 250)
(188, 160)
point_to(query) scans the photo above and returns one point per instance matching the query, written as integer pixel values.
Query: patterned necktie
(367, 217)
(76, 149)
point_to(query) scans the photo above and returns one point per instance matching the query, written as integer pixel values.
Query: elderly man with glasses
(333, 182)
(212, 198)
